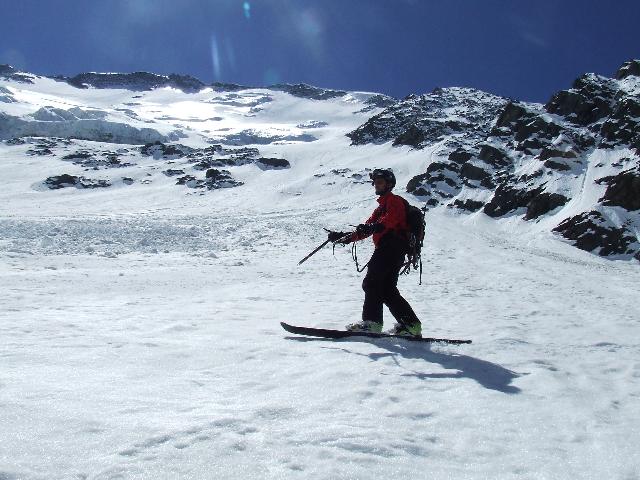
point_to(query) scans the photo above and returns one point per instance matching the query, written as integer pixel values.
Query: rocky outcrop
(256, 137)
(415, 185)
(312, 124)
(159, 150)
(508, 198)
(173, 172)
(215, 179)
(136, 81)
(272, 163)
(592, 232)
(526, 158)
(623, 190)
(419, 120)
(377, 101)
(623, 125)
(413, 136)
(6, 96)
(96, 160)
(7, 72)
(66, 181)
(303, 90)
(536, 202)
(630, 68)
(527, 130)
(220, 179)
(590, 99)
(543, 203)
(469, 171)
(494, 157)
(228, 87)
(467, 205)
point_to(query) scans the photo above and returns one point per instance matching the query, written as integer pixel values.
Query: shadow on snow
(489, 375)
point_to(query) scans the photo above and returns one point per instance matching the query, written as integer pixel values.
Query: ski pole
(314, 252)
(320, 247)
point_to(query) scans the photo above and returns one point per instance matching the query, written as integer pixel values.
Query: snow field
(173, 365)
(140, 334)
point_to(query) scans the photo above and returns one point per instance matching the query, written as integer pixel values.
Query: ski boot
(365, 326)
(407, 330)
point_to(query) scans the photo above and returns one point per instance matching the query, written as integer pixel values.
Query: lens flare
(309, 23)
(215, 58)
(246, 7)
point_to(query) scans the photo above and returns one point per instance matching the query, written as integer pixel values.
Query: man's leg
(398, 306)
(373, 286)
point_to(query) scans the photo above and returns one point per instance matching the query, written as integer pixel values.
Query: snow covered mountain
(150, 230)
(571, 166)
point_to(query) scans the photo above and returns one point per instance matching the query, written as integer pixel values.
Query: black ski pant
(380, 284)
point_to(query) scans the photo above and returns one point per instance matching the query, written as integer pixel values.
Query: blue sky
(520, 49)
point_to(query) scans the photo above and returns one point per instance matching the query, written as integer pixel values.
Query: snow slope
(140, 322)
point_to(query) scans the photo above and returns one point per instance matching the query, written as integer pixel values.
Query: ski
(330, 333)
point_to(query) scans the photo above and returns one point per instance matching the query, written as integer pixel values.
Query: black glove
(369, 228)
(336, 236)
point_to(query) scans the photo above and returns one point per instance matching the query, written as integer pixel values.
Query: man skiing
(388, 225)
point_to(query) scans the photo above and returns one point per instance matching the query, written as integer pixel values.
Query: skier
(388, 225)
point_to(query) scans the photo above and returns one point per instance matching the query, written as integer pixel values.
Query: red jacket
(391, 214)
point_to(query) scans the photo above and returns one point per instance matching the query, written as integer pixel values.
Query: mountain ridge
(571, 164)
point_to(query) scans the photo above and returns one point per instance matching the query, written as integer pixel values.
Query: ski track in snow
(119, 362)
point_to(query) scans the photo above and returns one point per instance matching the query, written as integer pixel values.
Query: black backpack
(417, 226)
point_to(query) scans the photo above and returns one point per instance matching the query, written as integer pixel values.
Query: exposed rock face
(220, 179)
(173, 172)
(468, 205)
(272, 163)
(219, 156)
(623, 125)
(630, 68)
(470, 171)
(380, 101)
(137, 81)
(543, 203)
(415, 185)
(590, 99)
(65, 181)
(412, 136)
(421, 119)
(95, 160)
(303, 90)
(507, 199)
(255, 137)
(159, 150)
(312, 124)
(9, 73)
(494, 156)
(228, 87)
(623, 190)
(460, 156)
(6, 96)
(525, 159)
(592, 232)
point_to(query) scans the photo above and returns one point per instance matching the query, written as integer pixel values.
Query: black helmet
(385, 173)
